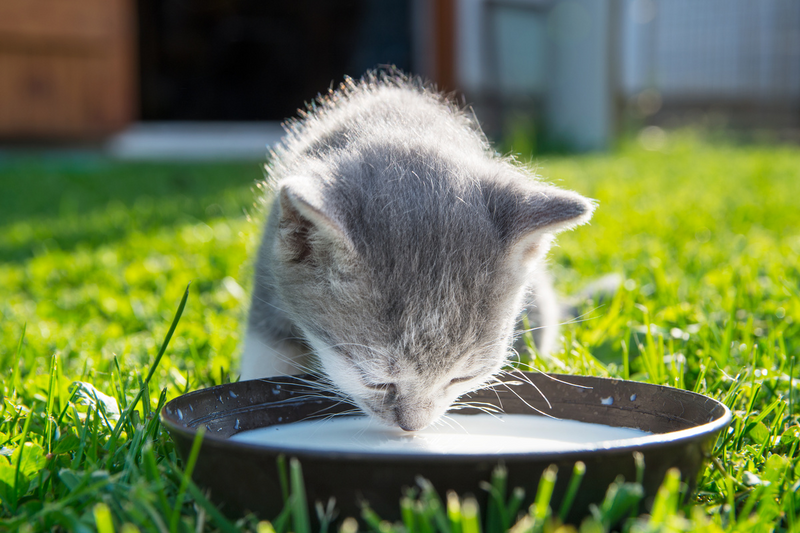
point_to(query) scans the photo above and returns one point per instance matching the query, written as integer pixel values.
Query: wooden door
(67, 68)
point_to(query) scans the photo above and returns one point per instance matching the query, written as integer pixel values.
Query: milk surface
(456, 434)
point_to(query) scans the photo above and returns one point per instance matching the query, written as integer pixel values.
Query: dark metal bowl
(244, 477)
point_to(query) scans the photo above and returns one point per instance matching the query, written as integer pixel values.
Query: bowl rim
(650, 442)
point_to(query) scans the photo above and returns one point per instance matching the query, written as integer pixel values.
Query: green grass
(96, 256)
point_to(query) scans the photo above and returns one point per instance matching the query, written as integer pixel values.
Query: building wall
(736, 50)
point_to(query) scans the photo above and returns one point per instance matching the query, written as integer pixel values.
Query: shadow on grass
(62, 202)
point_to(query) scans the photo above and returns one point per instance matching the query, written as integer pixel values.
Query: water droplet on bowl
(607, 401)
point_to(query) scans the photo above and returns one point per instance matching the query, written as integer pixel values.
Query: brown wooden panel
(67, 20)
(66, 68)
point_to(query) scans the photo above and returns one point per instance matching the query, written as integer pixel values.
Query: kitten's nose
(407, 426)
(411, 419)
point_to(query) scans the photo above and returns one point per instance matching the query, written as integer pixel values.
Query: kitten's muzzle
(413, 417)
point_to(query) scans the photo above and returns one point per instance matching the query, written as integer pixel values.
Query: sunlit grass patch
(95, 258)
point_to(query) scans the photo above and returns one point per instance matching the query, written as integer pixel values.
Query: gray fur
(399, 250)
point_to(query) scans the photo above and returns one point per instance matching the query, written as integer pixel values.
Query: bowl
(244, 477)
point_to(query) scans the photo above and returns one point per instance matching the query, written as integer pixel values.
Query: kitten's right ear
(305, 223)
(528, 214)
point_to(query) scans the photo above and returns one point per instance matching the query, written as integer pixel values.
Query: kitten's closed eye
(381, 387)
(455, 381)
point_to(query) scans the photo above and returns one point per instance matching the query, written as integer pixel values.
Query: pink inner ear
(306, 225)
(529, 251)
(301, 200)
(531, 247)
(294, 239)
(289, 215)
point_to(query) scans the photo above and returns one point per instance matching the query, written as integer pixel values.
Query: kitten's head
(408, 287)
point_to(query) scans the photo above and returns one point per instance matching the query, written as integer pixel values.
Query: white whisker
(529, 405)
(532, 384)
(449, 419)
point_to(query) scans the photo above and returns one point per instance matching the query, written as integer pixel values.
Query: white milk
(458, 434)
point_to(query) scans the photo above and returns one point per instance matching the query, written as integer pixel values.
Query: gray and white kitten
(400, 251)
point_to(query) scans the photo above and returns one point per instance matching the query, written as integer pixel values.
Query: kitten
(399, 250)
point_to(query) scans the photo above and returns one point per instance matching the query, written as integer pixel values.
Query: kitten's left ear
(528, 217)
(306, 225)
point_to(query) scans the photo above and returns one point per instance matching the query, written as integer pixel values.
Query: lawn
(95, 257)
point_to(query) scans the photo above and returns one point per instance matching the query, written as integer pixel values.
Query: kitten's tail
(547, 311)
(596, 292)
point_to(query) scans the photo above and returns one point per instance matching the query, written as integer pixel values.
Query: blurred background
(214, 78)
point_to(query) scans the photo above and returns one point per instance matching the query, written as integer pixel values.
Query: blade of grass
(299, 504)
(791, 387)
(76, 460)
(153, 476)
(544, 493)
(496, 521)
(470, 513)
(283, 477)
(102, 518)
(219, 519)
(50, 401)
(578, 471)
(22, 441)
(122, 395)
(127, 412)
(700, 377)
(67, 406)
(152, 426)
(145, 398)
(372, 519)
(454, 512)
(626, 364)
(431, 514)
(17, 363)
(407, 514)
(667, 497)
(514, 503)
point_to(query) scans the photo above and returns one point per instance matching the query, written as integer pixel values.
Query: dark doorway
(260, 59)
